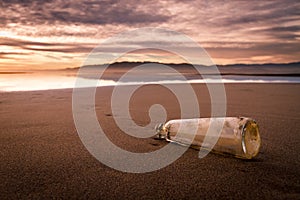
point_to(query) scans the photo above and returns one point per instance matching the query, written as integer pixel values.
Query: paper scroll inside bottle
(239, 136)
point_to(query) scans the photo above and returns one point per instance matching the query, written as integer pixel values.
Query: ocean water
(47, 81)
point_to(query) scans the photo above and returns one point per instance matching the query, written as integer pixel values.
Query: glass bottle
(239, 136)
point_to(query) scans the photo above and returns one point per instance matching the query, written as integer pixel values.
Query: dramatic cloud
(43, 46)
(78, 12)
(38, 33)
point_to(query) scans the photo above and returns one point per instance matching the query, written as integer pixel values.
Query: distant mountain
(272, 69)
(123, 65)
(267, 69)
(292, 64)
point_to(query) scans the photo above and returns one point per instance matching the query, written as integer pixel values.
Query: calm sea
(46, 81)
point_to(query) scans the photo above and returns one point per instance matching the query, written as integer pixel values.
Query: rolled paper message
(239, 136)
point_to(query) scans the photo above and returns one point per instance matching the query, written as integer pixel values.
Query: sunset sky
(59, 34)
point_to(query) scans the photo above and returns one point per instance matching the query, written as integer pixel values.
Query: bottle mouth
(250, 139)
(160, 131)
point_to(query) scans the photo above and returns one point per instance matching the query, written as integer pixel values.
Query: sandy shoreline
(43, 157)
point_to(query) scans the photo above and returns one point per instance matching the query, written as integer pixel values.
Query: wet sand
(42, 155)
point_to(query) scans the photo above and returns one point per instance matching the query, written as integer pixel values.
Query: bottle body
(239, 136)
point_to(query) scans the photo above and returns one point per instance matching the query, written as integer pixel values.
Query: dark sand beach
(42, 155)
